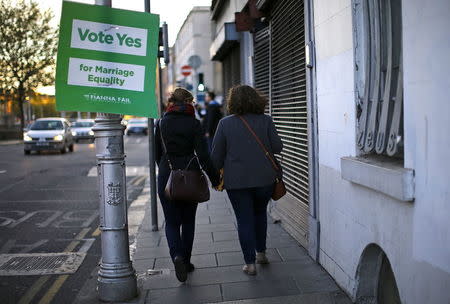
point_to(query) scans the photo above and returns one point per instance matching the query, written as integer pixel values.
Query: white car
(48, 134)
(82, 129)
(136, 126)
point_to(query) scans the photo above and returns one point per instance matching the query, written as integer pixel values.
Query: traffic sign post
(195, 62)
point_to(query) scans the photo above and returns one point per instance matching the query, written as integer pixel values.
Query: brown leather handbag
(184, 184)
(279, 189)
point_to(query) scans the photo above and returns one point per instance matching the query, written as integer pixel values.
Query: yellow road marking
(138, 180)
(96, 232)
(36, 287)
(53, 290)
(33, 290)
(82, 233)
(79, 236)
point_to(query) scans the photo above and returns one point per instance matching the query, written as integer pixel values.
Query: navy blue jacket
(239, 154)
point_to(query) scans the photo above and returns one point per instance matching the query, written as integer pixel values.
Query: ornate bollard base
(117, 289)
(116, 277)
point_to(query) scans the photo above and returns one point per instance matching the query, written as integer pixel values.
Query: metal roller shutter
(288, 107)
(261, 63)
(231, 70)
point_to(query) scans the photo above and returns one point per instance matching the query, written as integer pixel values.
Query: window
(378, 74)
(47, 125)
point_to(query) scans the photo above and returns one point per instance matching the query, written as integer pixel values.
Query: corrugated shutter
(261, 62)
(289, 110)
(231, 70)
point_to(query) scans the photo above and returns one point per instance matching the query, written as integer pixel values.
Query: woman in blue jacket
(248, 174)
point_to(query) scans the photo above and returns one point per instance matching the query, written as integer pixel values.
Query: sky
(174, 12)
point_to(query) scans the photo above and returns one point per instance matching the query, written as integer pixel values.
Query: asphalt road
(49, 204)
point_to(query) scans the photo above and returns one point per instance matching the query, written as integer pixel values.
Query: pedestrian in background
(212, 117)
(183, 138)
(248, 174)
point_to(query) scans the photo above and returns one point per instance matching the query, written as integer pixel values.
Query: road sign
(186, 70)
(107, 60)
(195, 61)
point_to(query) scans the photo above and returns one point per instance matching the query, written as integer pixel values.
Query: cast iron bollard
(116, 277)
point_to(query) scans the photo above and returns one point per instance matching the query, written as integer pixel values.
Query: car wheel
(71, 148)
(63, 150)
(26, 152)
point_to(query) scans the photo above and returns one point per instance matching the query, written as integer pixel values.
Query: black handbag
(279, 189)
(184, 184)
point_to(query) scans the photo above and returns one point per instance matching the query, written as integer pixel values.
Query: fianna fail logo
(93, 97)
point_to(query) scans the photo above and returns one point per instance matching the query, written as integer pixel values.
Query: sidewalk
(291, 277)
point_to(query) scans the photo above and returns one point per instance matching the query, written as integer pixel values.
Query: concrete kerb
(10, 142)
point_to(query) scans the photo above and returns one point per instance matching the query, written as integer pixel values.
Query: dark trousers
(210, 140)
(250, 207)
(178, 215)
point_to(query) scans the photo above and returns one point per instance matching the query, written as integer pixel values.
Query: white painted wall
(227, 13)
(194, 38)
(414, 235)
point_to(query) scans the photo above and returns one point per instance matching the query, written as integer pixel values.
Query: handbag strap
(165, 151)
(164, 144)
(266, 153)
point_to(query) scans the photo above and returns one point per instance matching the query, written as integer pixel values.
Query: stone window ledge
(382, 174)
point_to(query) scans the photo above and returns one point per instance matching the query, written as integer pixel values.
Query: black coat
(212, 118)
(182, 135)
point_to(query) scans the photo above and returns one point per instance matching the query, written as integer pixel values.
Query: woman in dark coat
(248, 174)
(183, 136)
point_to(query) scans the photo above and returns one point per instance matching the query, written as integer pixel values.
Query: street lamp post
(116, 277)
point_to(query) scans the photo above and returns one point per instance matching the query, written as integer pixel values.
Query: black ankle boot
(190, 267)
(180, 269)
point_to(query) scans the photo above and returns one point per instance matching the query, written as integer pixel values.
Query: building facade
(193, 39)
(357, 91)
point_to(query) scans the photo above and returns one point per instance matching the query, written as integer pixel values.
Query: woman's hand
(219, 187)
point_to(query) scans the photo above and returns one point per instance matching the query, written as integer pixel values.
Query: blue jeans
(178, 215)
(250, 208)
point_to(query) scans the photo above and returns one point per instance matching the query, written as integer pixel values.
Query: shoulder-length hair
(180, 96)
(243, 99)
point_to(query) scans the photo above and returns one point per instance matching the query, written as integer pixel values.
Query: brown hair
(243, 99)
(180, 96)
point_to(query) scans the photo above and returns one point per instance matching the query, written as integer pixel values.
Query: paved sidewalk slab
(291, 277)
(316, 298)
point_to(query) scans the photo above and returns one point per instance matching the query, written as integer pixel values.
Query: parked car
(82, 129)
(137, 126)
(48, 134)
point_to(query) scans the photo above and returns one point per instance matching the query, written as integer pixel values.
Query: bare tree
(28, 45)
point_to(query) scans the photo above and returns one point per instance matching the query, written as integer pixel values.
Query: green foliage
(28, 46)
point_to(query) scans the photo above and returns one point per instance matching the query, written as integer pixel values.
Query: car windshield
(137, 121)
(82, 124)
(47, 125)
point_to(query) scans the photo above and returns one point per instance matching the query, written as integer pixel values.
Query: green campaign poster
(107, 60)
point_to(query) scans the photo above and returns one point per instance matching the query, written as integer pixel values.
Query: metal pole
(151, 159)
(195, 84)
(161, 90)
(116, 277)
